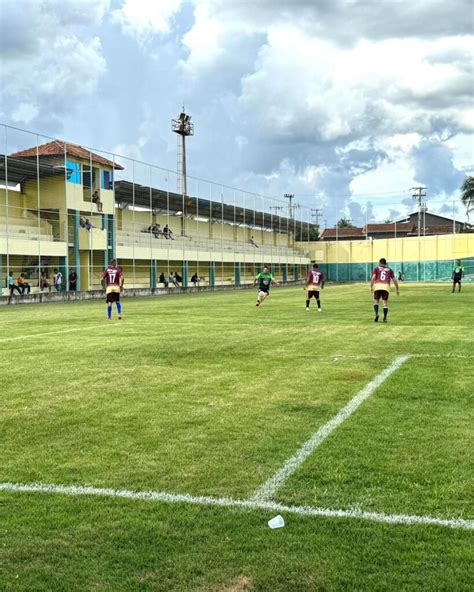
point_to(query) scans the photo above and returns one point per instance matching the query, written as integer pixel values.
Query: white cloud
(144, 18)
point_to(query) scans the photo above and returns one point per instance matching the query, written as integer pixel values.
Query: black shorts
(381, 294)
(457, 279)
(312, 293)
(112, 297)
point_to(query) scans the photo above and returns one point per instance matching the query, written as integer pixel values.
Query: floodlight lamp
(182, 116)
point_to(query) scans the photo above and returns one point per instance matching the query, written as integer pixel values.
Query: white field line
(268, 489)
(340, 357)
(8, 339)
(226, 502)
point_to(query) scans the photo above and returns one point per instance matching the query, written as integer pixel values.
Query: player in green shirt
(265, 280)
(458, 274)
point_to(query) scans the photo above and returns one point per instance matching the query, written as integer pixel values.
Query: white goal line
(269, 488)
(227, 502)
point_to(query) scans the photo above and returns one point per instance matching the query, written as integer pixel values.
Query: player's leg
(459, 286)
(108, 300)
(260, 297)
(119, 306)
(385, 306)
(376, 305)
(309, 293)
(454, 286)
(318, 301)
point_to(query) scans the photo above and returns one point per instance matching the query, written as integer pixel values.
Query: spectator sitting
(44, 282)
(178, 278)
(167, 232)
(195, 279)
(23, 285)
(96, 199)
(156, 230)
(87, 224)
(11, 284)
(173, 280)
(163, 280)
(252, 242)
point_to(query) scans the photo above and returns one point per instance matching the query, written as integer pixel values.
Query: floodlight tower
(183, 127)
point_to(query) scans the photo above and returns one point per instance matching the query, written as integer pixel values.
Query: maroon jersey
(315, 278)
(112, 276)
(382, 276)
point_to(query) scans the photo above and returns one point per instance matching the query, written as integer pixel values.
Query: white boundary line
(226, 502)
(8, 339)
(268, 489)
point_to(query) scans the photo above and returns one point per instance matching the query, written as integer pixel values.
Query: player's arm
(121, 280)
(372, 280)
(255, 280)
(397, 287)
(274, 281)
(102, 279)
(323, 281)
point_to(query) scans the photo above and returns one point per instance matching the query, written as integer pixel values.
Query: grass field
(207, 398)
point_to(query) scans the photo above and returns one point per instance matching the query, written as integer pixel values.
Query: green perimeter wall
(427, 258)
(414, 271)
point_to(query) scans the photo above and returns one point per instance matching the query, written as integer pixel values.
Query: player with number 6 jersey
(382, 276)
(112, 279)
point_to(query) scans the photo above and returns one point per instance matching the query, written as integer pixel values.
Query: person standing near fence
(457, 275)
(57, 280)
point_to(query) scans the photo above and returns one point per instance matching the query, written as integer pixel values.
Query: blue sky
(339, 102)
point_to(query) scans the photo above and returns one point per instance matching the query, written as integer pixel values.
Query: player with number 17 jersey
(112, 279)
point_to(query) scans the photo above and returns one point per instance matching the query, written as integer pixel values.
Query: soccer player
(265, 280)
(458, 274)
(380, 286)
(112, 279)
(314, 283)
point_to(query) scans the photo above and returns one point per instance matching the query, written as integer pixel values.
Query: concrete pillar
(212, 274)
(296, 272)
(153, 272)
(111, 237)
(77, 263)
(105, 226)
(284, 272)
(3, 280)
(185, 274)
(237, 273)
(64, 269)
(85, 271)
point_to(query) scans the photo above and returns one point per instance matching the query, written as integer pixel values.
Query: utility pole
(419, 194)
(290, 197)
(316, 213)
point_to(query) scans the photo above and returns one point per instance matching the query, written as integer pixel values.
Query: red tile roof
(57, 148)
(440, 229)
(342, 232)
(401, 227)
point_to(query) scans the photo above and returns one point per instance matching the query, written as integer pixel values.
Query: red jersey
(112, 276)
(382, 276)
(315, 278)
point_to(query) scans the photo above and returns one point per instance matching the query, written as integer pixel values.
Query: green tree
(345, 223)
(467, 194)
(306, 232)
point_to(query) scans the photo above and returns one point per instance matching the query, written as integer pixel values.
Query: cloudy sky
(346, 104)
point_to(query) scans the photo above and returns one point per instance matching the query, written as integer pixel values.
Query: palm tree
(467, 194)
(344, 223)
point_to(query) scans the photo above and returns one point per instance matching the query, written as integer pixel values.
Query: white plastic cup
(276, 522)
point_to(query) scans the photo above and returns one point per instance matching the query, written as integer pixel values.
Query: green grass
(207, 395)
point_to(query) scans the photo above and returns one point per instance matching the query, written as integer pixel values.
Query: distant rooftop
(57, 148)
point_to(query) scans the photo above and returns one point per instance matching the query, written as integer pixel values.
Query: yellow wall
(429, 248)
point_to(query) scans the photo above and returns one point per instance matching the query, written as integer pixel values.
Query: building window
(106, 179)
(73, 170)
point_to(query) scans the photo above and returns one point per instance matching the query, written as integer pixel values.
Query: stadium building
(65, 207)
